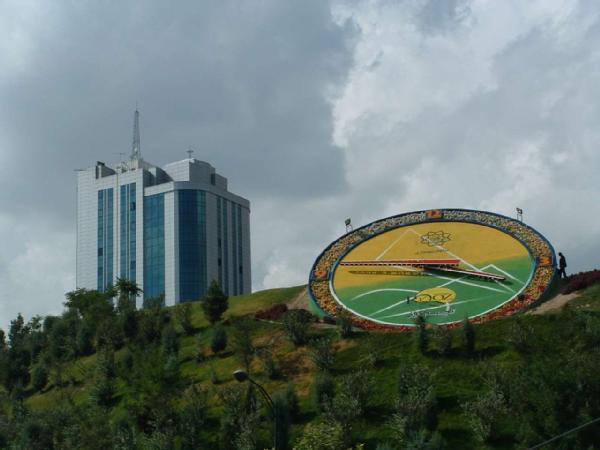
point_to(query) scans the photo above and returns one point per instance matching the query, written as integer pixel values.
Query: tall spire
(136, 152)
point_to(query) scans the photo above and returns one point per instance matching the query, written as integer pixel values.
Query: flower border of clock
(538, 246)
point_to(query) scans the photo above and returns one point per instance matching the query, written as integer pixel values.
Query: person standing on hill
(562, 265)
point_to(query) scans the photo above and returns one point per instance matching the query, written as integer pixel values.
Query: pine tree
(214, 304)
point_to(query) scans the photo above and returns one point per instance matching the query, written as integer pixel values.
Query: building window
(127, 230)
(154, 246)
(192, 244)
(105, 239)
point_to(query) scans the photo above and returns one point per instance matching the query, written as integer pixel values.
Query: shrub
(521, 336)
(275, 312)
(170, 344)
(282, 416)
(242, 341)
(102, 393)
(484, 412)
(218, 340)
(468, 337)
(39, 376)
(269, 365)
(295, 323)
(293, 402)
(344, 324)
(420, 334)
(322, 436)
(323, 353)
(323, 390)
(582, 280)
(215, 303)
(443, 340)
(183, 314)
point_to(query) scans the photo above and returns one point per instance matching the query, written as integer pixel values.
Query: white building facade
(172, 230)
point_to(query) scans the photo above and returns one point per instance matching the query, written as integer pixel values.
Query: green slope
(458, 377)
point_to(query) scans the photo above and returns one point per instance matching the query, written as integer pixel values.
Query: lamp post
(241, 375)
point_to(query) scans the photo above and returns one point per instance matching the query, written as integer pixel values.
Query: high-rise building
(172, 230)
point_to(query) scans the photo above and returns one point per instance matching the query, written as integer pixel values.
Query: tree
(214, 303)
(84, 338)
(344, 324)
(170, 344)
(39, 376)
(127, 291)
(218, 340)
(443, 340)
(183, 314)
(89, 304)
(321, 436)
(295, 323)
(242, 341)
(323, 390)
(283, 418)
(323, 354)
(468, 336)
(421, 334)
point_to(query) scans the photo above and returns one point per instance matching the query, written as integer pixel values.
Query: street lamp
(240, 376)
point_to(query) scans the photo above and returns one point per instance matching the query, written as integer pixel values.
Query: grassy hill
(542, 370)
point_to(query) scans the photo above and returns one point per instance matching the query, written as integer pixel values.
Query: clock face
(442, 265)
(444, 271)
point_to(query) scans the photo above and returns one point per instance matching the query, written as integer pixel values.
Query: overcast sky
(315, 111)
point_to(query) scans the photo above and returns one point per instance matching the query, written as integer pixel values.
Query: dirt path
(300, 301)
(553, 304)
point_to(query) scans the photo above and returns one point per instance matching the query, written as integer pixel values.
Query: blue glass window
(105, 238)
(240, 250)
(192, 244)
(128, 231)
(154, 246)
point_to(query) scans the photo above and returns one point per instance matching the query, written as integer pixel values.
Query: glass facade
(225, 285)
(105, 238)
(154, 246)
(127, 235)
(219, 241)
(239, 267)
(192, 244)
(234, 253)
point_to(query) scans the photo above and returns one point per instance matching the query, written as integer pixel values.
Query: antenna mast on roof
(135, 149)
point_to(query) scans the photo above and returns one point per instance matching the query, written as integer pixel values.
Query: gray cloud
(315, 111)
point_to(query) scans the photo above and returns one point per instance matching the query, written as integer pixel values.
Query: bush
(420, 333)
(183, 314)
(582, 280)
(443, 340)
(521, 336)
(218, 340)
(484, 412)
(102, 393)
(344, 324)
(293, 402)
(468, 337)
(269, 365)
(275, 312)
(242, 341)
(39, 376)
(295, 323)
(323, 390)
(321, 436)
(170, 344)
(214, 303)
(323, 353)
(283, 419)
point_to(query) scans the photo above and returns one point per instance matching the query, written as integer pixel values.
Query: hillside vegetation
(104, 377)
